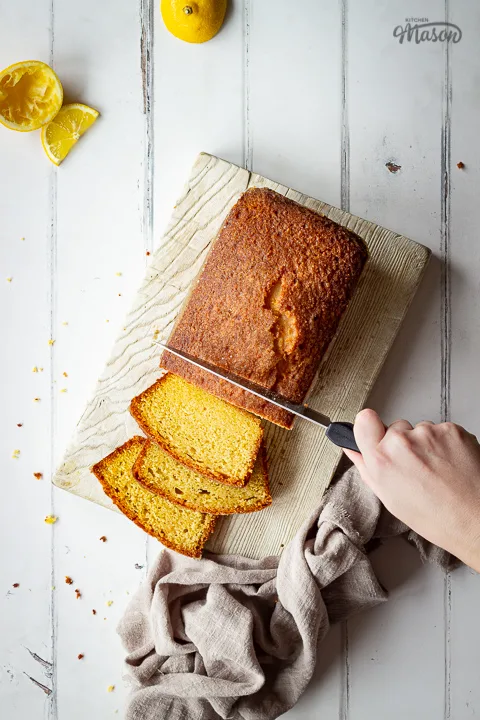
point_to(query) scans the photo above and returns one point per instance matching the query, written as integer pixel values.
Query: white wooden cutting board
(301, 461)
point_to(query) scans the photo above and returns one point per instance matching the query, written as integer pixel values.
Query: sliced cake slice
(160, 473)
(185, 531)
(199, 430)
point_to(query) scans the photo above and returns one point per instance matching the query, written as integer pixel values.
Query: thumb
(369, 430)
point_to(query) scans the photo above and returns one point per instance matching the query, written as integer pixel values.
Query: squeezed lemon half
(30, 95)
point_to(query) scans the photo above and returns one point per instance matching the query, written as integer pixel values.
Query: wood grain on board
(301, 461)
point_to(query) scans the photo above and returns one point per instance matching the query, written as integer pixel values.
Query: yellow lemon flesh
(62, 133)
(30, 95)
(194, 22)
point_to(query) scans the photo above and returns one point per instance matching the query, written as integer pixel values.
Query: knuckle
(424, 430)
(453, 430)
(399, 437)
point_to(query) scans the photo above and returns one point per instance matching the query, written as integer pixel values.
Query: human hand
(427, 476)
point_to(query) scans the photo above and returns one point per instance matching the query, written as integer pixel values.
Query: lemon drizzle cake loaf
(268, 301)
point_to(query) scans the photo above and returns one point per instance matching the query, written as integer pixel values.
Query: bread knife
(339, 433)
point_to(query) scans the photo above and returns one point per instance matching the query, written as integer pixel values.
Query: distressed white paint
(268, 90)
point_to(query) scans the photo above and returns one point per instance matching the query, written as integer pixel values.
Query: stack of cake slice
(202, 457)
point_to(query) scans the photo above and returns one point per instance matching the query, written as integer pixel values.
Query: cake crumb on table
(19, 424)
(80, 656)
(51, 342)
(15, 585)
(103, 538)
(36, 399)
(9, 279)
(78, 594)
(68, 580)
(63, 390)
(460, 165)
(111, 688)
(109, 603)
(38, 475)
(65, 374)
(51, 519)
(16, 454)
(94, 612)
(35, 369)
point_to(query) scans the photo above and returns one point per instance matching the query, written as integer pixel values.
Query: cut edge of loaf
(237, 510)
(162, 442)
(97, 470)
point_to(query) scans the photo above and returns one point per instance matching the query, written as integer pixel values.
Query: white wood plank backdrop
(320, 97)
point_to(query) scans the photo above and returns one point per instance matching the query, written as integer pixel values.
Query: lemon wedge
(30, 95)
(62, 133)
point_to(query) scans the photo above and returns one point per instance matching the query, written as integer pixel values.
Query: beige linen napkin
(228, 637)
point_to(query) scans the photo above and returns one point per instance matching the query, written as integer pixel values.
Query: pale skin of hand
(428, 476)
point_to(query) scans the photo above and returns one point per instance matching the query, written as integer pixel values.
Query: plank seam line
(446, 321)
(247, 136)
(147, 42)
(345, 130)
(53, 707)
(344, 705)
(344, 709)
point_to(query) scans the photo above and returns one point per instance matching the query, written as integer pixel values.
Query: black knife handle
(341, 434)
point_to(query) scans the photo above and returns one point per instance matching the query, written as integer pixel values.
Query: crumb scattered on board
(65, 323)
(15, 585)
(51, 342)
(19, 424)
(68, 580)
(80, 656)
(148, 252)
(35, 368)
(109, 603)
(460, 165)
(36, 399)
(16, 454)
(63, 390)
(118, 274)
(65, 374)
(51, 519)
(38, 475)
(94, 612)
(111, 688)
(9, 279)
(78, 594)
(103, 538)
